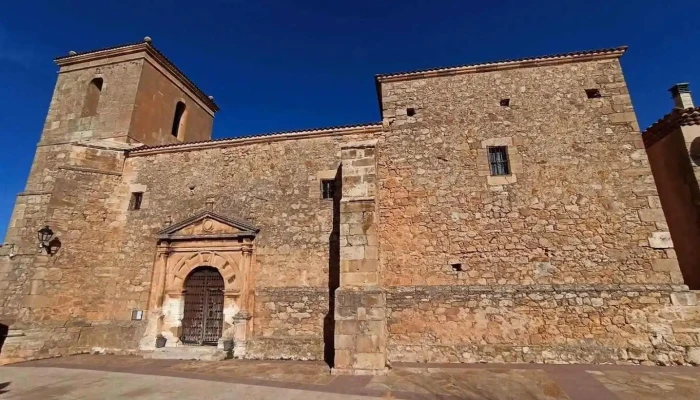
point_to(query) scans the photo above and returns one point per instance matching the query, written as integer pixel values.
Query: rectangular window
(135, 202)
(498, 160)
(593, 93)
(327, 188)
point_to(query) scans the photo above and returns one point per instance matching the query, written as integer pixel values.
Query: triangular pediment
(208, 224)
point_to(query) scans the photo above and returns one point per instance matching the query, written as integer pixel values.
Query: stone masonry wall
(360, 332)
(64, 122)
(648, 324)
(275, 186)
(579, 207)
(578, 212)
(289, 323)
(154, 110)
(77, 298)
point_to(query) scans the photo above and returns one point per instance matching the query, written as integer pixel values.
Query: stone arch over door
(206, 239)
(225, 264)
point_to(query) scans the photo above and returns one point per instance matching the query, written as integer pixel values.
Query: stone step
(201, 353)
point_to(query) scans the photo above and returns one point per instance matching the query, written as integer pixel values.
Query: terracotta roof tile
(260, 135)
(671, 121)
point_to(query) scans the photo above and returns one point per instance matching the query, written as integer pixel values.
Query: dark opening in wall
(327, 189)
(135, 202)
(593, 93)
(456, 267)
(498, 160)
(179, 120)
(505, 102)
(410, 111)
(92, 98)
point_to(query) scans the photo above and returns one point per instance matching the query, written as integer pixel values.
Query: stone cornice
(150, 53)
(265, 138)
(89, 170)
(553, 59)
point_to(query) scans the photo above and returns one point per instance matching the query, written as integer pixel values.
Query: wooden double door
(203, 319)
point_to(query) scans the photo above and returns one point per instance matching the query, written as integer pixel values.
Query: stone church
(497, 212)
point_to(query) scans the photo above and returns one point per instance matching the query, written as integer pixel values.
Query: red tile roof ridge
(673, 120)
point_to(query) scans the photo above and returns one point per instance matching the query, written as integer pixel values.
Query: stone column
(237, 317)
(360, 304)
(173, 312)
(241, 322)
(247, 272)
(154, 314)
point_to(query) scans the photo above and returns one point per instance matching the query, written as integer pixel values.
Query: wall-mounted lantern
(44, 236)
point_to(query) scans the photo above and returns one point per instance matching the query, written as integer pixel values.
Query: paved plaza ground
(130, 377)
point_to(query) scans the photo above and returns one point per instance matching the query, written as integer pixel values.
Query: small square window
(136, 315)
(135, 202)
(505, 102)
(593, 93)
(327, 189)
(457, 267)
(498, 160)
(410, 111)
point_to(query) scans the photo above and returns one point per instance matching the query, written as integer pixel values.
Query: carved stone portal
(204, 240)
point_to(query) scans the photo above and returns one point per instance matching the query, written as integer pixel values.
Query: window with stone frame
(327, 189)
(498, 160)
(135, 201)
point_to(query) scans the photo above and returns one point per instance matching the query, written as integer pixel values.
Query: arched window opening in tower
(179, 120)
(92, 99)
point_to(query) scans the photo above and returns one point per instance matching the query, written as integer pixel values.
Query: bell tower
(131, 94)
(105, 101)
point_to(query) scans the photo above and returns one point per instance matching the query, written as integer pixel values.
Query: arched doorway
(203, 320)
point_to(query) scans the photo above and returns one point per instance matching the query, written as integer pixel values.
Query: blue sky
(288, 64)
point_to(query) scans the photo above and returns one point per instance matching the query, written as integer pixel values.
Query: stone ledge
(360, 144)
(200, 353)
(353, 371)
(292, 290)
(442, 289)
(503, 353)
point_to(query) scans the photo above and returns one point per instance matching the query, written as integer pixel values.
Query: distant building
(499, 212)
(673, 146)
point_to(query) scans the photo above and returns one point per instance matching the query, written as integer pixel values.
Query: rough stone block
(501, 141)
(357, 206)
(363, 265)
(665, 265)
(347, 327)
(624, 117)
(652, 215)
(501, 180)
(684, 299)
(661, 240)
(368, 344)
(694, 355)
(372, 252)
(344, 342)
(352, 253)
(359, 278)
(343, 358)
(369, 361)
